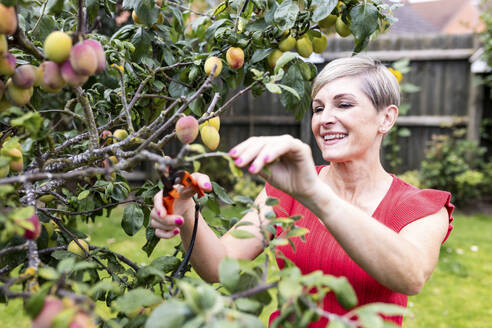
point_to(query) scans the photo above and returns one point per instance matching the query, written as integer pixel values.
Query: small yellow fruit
(210, 63)
(287, 44)
(328, 21)
(342, 29)
(235, 57)
(57, 46)
(119, 135)
(304, 47)
(3, 45)
(16, 160)
(210, 137)
(74, 248)
(273, 57)
(214, 121)
(320, 44)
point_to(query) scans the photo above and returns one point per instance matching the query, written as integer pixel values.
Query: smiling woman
(364, 223)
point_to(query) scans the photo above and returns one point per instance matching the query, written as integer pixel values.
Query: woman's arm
(401, 262)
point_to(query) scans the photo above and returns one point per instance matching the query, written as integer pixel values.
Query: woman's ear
(388, 118)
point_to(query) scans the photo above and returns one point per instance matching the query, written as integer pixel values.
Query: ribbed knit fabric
(402, 204)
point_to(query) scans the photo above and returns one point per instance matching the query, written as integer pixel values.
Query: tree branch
(89, 115)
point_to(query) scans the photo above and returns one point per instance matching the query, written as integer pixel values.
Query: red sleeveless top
(402, 204)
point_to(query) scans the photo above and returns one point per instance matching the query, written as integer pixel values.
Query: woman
(366, 224)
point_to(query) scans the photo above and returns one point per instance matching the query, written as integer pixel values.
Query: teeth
(334, 136)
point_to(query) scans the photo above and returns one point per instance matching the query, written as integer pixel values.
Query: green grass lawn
(457, 295)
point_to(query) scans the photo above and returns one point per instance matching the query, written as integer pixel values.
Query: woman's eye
(318, 109)
(345, 105)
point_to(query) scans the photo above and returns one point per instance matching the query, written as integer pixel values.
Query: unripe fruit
(100, 54)
(320, 44)
(83, 59)
(3, 45)
(47, 197)
(74, 248)
(36, 231)
(304, 47)
(119, 135)
(24, 76)
(52, 306)
(287, 44)
(57, 46)
(8, 23)
(210, 63)
(18, 96)
(214, 121)
(342, 29)
(7, 64)
(52, 78)
(273, 57)
(327, 21)
(210, 137)
(70, 76)
(235, 57)
(187, 129)
(16, 159)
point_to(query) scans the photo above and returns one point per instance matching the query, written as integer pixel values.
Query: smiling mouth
(332, 137)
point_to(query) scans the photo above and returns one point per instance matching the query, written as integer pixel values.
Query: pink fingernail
(252, 168)
(175, 232)
(238, 161)
(232, 152)
(179, 221)
(207, 185)
(159, 213)
(266, 159)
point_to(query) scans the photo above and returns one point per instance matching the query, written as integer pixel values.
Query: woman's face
(345, 123)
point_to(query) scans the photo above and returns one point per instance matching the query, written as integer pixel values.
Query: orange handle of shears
(187, 181)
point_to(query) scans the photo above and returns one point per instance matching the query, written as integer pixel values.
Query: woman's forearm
(385, 255)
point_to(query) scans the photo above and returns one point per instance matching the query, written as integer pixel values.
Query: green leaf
(344, 292)
(130, 4)
(21, 213)
(54, 7)
(260, 54)
(35, 303)
(241, 234)
(171, 314)
(147, 12)
(291, 90)
(141, 40)
(133, 218)
(104, 286)
(66, 265)
(234, 169)
(220, 8)
(273, 88)
(48, 273)
(166, 263)
(229, 271)
(364, 21)
(283, 60)
(382, 308)
(63, 318)
(323, 9)
(286, 14)
(221, 193)
(31, 122)
(83, 194)
(135, 299)
(296, 232)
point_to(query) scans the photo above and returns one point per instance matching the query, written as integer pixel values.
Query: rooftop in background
(438, 16)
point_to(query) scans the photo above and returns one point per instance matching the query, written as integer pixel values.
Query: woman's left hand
(289, 160)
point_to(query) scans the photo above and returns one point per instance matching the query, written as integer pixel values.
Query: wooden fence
(439, 66)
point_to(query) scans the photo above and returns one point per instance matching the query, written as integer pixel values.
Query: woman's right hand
(168, 225)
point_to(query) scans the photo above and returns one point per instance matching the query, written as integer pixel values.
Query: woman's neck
(357, 181)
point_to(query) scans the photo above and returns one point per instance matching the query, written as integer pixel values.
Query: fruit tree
(89, 89)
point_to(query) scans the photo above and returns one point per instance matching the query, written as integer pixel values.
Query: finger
(237, 150)
(168, 222)
(203, 181)
(247, 151)
(166, 234)
(158, 205)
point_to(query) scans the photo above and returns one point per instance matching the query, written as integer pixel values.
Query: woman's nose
(328, 116)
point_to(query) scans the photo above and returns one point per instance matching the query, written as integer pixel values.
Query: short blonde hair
(378, 83)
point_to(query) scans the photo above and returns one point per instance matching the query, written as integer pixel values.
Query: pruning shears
(170, 193)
